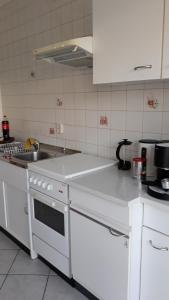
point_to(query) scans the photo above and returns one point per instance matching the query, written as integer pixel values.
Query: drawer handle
(143, 67)
(116, 233)
(158, 248)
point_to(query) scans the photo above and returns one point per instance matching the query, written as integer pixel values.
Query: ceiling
(2, 2)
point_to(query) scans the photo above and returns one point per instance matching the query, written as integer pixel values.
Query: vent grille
(71, 55)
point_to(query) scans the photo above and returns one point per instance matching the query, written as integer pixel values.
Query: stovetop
(70, 166)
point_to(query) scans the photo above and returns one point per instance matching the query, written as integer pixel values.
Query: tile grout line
(45, 287)
(18, 250)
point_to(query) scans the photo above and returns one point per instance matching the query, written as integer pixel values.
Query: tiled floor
(24, 279)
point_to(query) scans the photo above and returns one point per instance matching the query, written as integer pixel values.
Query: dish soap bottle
(5, 128)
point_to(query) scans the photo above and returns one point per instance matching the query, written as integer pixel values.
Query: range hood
(74, 53)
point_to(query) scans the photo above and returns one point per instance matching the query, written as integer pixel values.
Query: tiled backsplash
(32, 104)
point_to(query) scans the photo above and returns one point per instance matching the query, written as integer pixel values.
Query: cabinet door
(165, 65)
(17, 216)
(155, 267)
(99, 259)
(2, 206)
(127, 35)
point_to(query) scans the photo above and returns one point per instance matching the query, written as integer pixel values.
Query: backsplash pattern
(33, 91)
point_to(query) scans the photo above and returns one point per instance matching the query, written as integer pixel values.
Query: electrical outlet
(59, 128)
(51, 130)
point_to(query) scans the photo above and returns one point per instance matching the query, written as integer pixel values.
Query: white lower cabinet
(17, 213)
(2, 206)
(13, 201)
(154, 266)
(99, 259)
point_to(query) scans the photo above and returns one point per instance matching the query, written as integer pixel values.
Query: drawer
(156, 218)
(105, 209)
(51, 255)
(14, 175)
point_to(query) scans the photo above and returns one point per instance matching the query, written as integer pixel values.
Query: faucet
(32, 142)
(36, 145)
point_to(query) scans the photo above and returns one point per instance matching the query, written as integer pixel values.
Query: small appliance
(146, 152)
(159, 188)
(123, 164)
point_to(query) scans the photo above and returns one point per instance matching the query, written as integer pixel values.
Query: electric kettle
(123, 164)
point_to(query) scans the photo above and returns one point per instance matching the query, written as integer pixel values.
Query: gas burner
(158, 193)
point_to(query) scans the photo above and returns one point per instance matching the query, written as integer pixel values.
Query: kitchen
(63, 106)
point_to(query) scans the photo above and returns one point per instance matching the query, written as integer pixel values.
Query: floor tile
(58, 289)
(6, 260)
(2, 278)
(25, 265)
(23, 287)
(6, 243)
(52, 273)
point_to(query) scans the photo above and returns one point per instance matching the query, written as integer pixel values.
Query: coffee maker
(159, 188)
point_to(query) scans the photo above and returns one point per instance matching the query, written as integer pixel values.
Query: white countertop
(66, 167)
(117, 186)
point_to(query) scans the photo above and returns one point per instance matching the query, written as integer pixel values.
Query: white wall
(31, 103)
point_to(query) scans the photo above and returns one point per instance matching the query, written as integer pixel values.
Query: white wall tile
(165, 128)
(91, 118)
(135, 100)
(104, 100)
(118, 119)
(92, 101)
(69, 117)
(91, 135)
(104, 137)
(152, 122)
(80, 100)
(80, 118)
(166, 100)
(134, 121)
(118, 100)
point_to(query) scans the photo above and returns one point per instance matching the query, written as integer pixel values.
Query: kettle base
(124, 165)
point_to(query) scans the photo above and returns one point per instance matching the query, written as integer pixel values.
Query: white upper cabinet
(128, 38)
(165, 65)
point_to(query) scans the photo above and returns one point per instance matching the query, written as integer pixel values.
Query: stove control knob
(39, 182)
(44, 184)
(35, 181)
(49, 187)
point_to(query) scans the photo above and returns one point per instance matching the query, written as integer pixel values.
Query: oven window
(49, 216)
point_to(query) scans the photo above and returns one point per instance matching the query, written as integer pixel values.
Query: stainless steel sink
(22, 159)
(32, 156)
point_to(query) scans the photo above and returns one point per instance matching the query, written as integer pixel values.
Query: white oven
(50, 221)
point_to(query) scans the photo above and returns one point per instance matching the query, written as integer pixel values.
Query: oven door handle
(54, 203)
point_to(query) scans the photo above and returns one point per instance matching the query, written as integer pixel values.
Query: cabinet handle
(143, 67)
(116, 233)
(26, 210)
(158, 248)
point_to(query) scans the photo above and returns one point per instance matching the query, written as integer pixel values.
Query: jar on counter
(137, 167)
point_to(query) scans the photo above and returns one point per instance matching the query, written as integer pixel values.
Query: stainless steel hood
(74, 53)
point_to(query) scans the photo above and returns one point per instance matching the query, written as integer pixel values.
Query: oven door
(50, 221)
